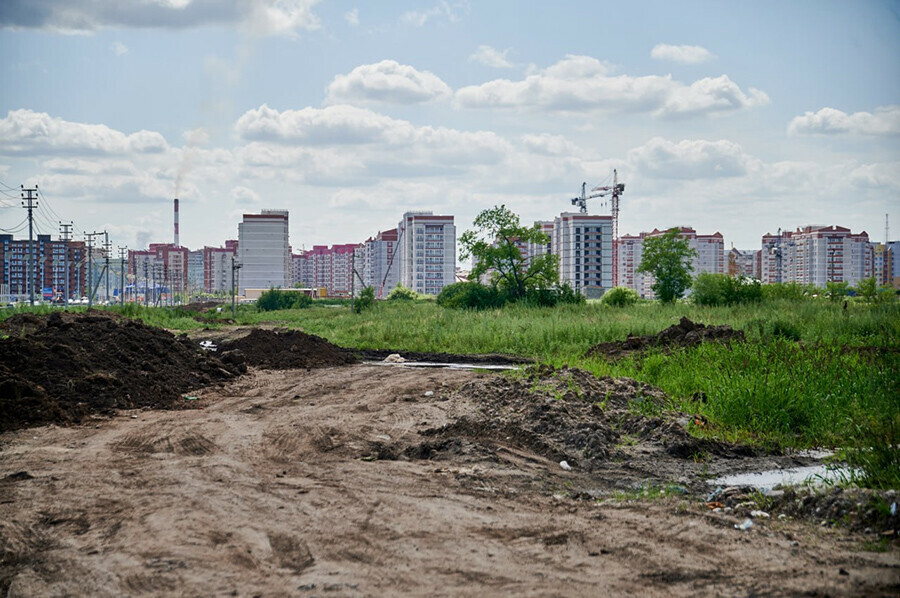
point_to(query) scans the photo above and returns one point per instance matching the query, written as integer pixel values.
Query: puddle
(451, 366)
(767, 480)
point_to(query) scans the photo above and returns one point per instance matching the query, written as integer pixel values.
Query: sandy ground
(274, 488)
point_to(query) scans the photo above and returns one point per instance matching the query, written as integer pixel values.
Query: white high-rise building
(584, 243)
(816, 255)
(427, 246)
(264, 251)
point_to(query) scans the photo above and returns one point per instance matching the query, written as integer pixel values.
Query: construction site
(257, 461)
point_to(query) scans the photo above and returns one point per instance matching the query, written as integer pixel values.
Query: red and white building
(710, 257)
(816, 255)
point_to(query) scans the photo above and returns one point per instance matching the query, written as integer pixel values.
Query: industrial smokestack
(176, 223)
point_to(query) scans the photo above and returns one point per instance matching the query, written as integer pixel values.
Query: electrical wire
(17, 227)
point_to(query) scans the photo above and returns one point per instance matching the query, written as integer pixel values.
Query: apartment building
(302, 270)
(264, 251)
(217, 267)
(381, 271)
(427, 246)
(55, 263)
(816, 255)
(584, 245)
(710, 257)
(743, 262)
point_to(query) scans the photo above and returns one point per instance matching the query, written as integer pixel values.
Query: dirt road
(340, 482)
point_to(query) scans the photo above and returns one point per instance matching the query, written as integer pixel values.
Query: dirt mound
(60, 367)
(570, 415)
(684, 334)
(204, 306)
(282, 350)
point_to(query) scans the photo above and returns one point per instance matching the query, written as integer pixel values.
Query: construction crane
(614, 191)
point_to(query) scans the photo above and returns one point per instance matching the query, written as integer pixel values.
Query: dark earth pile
(571, 415)
(684, 334)
(57, 368)
(281, 350)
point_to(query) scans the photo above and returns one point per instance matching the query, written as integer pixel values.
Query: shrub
(620, 297)
(275, 299)
(721, 289)
(469, 295)
(365, 300)
(836, 290)
(791, 291)
(402, 293)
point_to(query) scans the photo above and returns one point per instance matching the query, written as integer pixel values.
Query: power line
(16, 228)
(29, 203)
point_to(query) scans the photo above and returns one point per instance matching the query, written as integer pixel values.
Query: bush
(275, 299)
(721, 289)
(836, 291)
(469, 295)
(402, 293)
(620, 297)
(365, 300)
(791, 291)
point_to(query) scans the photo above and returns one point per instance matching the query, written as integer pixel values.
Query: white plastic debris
(565, 465)
(893, 509)
(394, 358)
(429, 393)
(759, 514)
(747, 524)
(208, 345)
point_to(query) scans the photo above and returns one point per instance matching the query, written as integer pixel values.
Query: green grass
(810, 373)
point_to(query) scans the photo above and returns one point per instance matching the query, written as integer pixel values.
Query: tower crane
(614, 191)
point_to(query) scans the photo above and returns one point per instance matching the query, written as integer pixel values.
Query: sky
(740, 118)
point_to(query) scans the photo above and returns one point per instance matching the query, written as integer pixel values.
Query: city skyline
(739, 120)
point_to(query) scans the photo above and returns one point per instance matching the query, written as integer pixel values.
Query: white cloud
(386, 81)
(710, 95)
(489, 56)
(881, 177)
(884, 120)
(451, 11)
(313, 126)
(118, 48)
(37, 133)
(261, 17)
(197, 136)
(549, 145)
(352, 16)
(245, 196)
(580, 83)
(689, 159)
(681, 54)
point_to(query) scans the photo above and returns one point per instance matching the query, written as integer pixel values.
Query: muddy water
(452, 366)
(767, 480)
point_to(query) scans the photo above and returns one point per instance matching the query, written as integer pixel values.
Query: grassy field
(811, 374)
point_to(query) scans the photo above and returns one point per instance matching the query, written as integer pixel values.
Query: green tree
(867, 288)
(495, 246)
(668, 258)
(836, 290)
(365, 300)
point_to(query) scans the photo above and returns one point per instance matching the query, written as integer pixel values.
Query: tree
(668, 258)
(495, 246)
(867, 288)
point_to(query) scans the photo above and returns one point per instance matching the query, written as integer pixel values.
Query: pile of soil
(282, 350)
(571, 415)
(684, 334)
(60, 367)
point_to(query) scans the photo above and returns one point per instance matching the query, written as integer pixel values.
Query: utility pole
(29, 202)
(106, 247)
(234, 270)
(122, 251)
(89, 237)
(352, 280)
(65, 231)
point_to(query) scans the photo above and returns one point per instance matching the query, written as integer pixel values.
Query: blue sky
(731, 117)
